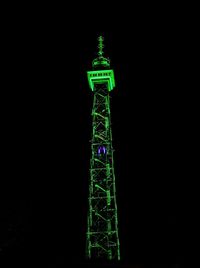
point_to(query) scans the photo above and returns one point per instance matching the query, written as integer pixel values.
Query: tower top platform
(101, 77)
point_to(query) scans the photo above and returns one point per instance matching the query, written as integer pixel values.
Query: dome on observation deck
(101, 63)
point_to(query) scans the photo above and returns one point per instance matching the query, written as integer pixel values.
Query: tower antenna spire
(101, 62)
(100, 45)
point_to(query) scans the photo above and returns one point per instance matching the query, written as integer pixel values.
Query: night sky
(47, 128)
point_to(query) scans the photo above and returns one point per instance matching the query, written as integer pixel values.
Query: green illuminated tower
(102, 225)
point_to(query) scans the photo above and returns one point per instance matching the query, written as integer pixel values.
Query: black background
(46, 126)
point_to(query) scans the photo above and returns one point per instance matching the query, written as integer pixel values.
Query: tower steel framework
(102, 225)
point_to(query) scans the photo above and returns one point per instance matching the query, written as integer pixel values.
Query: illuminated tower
(102, 225)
